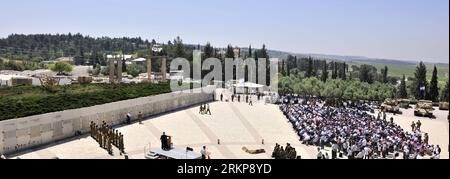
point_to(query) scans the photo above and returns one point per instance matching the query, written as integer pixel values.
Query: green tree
(105, 71)
(230, 52)
(365, 74)
(179, 51)
(309, 69)
(263, 52)
(61, 67)
(134, 70)
(342, 71)
(433, 93)
(420, 81)
(96, 70)
(79, 58)
(324, 76)
(444, 94)
(209, 51)
(385, 74)
(403, 92)
(333, 70)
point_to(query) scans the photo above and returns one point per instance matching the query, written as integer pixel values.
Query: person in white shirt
(360, 155)
(334, 149)
(205, 153)
(319, 154)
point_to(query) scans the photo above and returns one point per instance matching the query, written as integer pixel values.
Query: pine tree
(124, 65)
(309, 68)
(264, 53)
(325, 72)
(179, 48)
(385, 74)
(230, 52)
(333, 70)
(342, 68)
(403, 93)
(420, 81)
(445, 96)
(209, 51)
(366, 74)
(283, 70)
(433, 94)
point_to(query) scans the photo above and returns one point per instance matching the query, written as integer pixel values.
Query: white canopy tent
(248, 87)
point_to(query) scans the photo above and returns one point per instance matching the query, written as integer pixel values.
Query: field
(408, 70)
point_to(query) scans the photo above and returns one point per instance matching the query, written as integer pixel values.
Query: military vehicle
(443, 106)
(391, 106)
(424, 109)
(404, 103)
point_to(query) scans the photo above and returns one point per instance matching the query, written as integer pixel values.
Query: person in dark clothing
(208, 110)
(164, 141)
(128, 118)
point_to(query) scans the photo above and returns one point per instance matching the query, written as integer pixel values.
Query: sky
(392, 29)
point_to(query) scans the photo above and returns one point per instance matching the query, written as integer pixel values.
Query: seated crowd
(354, 133)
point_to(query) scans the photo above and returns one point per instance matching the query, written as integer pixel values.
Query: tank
(404, 103)
(443, 106)
(391, 106)
(424, 109)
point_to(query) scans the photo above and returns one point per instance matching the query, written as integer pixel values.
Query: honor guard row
(107, 137)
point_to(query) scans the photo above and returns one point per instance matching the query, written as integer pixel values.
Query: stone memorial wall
(24, 133)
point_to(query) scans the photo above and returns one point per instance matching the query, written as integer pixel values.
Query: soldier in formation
(288, 153)
(107, 137)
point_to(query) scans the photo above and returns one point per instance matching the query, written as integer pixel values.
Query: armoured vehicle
(391, 105)
(424, 109)
(404, 103)
(443, 106)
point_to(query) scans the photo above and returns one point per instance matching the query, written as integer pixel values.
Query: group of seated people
(354, 133)
(284, 153)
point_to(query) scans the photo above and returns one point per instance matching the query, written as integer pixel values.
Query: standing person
(334, 149)
(413, 126)
(201, 109)
(426, 138)
(221, 97)
(319, 154)
(205, 153)
(128, 118)
(251, 102)
(163, 141)
(392, 120)
(384, 115)
(419, 125)
(239, 98)
(232, 98)
(140, 116)
(208, 110)
(246, 99)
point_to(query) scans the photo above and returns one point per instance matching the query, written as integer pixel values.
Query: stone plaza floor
(236, 125)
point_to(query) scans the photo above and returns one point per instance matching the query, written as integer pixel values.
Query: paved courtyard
(236, 125)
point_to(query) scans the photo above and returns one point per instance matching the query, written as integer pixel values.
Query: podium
(169, 142)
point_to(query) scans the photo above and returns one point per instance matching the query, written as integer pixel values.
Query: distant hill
(397, 67)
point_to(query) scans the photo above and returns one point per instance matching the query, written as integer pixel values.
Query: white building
(8, 80)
